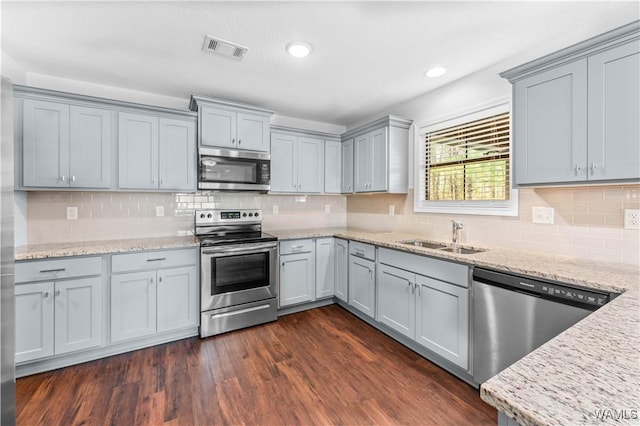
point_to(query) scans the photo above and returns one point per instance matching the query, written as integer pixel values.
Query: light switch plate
(327, 208)
(631, 218)
(72, 213)
(543, 215)
(392, 210)
(159, 211)
(275, 209)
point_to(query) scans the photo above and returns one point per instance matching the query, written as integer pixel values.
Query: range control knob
(209, 215)
(244, 215)
(250, 214)
(201, 215)
(256, 215)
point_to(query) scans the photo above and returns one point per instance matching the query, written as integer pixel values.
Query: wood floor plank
(317, 367)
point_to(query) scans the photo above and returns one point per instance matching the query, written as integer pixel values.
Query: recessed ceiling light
(435, 72)
(298, 49)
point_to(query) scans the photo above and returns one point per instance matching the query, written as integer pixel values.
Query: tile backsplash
(117, 215)
(588, 220)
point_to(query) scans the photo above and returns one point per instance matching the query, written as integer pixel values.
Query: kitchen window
(464, 164)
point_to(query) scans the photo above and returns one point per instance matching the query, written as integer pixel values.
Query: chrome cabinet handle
(44, 271)
(45, 294)
(593, 168)
(239, 141)
(296, 247)
(153, 180)
(578, 168)
(161, 180)
(233, 140)
(417, 288)
(58, 293)
(73, 178)
(157, 259)
(159, 279)
(63, 178)
(150, 280)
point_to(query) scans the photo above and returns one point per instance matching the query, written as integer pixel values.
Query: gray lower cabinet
(362, 278)
(342, 269)
(426, 300)
(297, 272)
(576, 112)
(65, 146)
(62, 314)
(153, 292)
(325, 267)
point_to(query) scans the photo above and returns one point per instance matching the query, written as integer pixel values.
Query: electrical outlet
(543, 215)
(327, 208)
(159, 211)
(631, 218)
(392, 210)
(72, 213)
(275, 209)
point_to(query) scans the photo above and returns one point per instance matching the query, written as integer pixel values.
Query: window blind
(469, 161)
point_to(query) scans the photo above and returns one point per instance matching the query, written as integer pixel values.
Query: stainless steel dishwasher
(513, 315)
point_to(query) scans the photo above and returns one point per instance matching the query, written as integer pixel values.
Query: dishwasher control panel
(542, 288)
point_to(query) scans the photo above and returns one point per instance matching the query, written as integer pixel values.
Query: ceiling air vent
(224, 48)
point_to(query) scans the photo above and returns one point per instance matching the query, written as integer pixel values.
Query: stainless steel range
(237, 270)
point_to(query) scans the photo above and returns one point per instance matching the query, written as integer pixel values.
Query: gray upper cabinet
(576, 112)
(65, 146)
(332, 167)
(614, 111)
(231, 125)
(347, 167)
(138, 151)
(69, 141)
(380, 156)
(298, 161)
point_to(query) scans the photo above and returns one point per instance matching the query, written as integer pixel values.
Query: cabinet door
(177, 155)
(45, 144)
(133, 305)
(284, 166)
(379, 164)
(325, 267)
(217, 127)
(442, 319)
(178, 298)
(34, 321)
(138, 151)
(551, 125)
(342, 270)
(362, 285)
(332, 167)
(297, 276)
(347, 167)
(396, 299)
(90, 148)
(362, 163)
(614, 108)
(78, 314)
(310, 165)
(253, 132)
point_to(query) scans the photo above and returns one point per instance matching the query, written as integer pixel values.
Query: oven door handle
(258, 248)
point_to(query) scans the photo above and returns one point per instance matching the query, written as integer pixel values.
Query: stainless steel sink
(461, 250)
(441, 246)
(425, 244)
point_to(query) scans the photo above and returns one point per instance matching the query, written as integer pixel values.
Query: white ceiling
(367, 56)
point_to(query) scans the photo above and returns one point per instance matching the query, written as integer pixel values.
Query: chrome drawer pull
(157, 259)
(52, 270)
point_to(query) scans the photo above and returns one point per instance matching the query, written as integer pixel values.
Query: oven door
(237, 274)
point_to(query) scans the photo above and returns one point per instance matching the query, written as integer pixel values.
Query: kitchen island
(588, 374)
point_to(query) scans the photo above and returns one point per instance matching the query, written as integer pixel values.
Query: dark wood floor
(322, 366)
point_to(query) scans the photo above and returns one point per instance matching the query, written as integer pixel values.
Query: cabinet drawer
(153, 260)
(442, 270)
(367, 251)
(296, 246)
(41, 270)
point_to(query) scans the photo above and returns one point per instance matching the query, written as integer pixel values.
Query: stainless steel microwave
(232, 170)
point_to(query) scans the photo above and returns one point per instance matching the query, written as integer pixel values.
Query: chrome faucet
(455, 233)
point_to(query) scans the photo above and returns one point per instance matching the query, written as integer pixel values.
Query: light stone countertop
(594, 365)
(590, 374)
(47, 251)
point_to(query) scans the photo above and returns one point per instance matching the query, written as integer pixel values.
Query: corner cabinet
(380, 157)
(298, 161)
(230, 125)
(576, 112)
